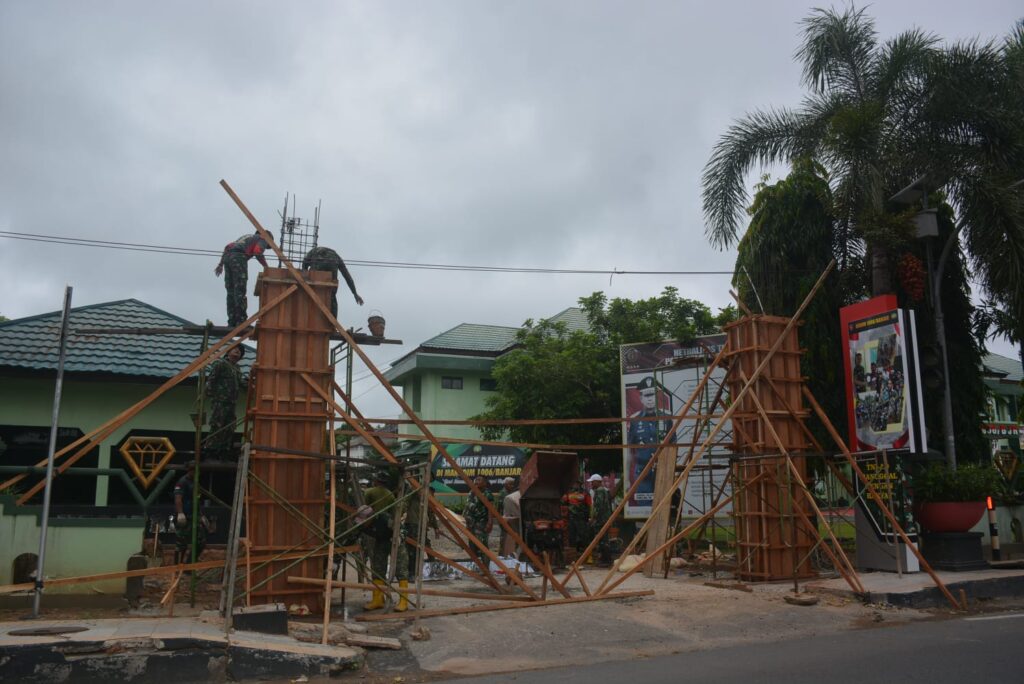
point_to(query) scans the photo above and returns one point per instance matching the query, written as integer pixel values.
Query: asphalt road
(984, 649)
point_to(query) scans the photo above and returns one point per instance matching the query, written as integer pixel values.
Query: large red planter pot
(951, 516)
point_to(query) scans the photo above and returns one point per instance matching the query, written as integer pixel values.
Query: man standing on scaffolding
(222, 387)
(234, 264)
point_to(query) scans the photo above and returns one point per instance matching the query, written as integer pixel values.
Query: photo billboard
(658, 379)
(884, 407)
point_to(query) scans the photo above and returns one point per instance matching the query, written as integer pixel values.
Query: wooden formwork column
(293, 339)
(772, 542)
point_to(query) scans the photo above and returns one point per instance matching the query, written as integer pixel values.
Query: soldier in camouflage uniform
(183, 492)
(222, 387)
(234, 264)
(578, 502)
(326, 259)
(601, 511)
(478, 519)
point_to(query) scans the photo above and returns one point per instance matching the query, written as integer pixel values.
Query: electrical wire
(190, 251)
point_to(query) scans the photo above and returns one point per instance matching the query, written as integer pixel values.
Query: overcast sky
(523, 134)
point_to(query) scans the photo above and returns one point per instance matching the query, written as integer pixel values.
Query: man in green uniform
(578, 502)
(600, 512)
(222, 387)
(326, 259)
(478, 518)
(183, 491)
(377, 540)
(234, 264)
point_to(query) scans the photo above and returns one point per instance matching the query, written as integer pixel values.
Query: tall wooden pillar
(292, 338)
(773, 542)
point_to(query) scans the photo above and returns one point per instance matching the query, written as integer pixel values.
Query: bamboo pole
(332, 511)
(438, 612)
(878, 500)
(347, 336)
(317, 582)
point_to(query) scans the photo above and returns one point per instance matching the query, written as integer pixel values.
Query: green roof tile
(31, 343)
(473, 337)
(1009, 369)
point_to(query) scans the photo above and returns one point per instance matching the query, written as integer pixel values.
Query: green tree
(789, 242)
(876, 119)
(555, 373)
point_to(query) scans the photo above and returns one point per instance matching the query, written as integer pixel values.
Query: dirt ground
(684, 614)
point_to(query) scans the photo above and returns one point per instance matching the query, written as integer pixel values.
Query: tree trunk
(881, 271)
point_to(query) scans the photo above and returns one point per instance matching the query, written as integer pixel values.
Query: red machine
(546, 477)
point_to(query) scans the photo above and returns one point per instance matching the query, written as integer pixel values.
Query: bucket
(376, 323)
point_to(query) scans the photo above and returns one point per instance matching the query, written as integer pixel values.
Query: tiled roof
(473, 337)
(1009, 369)
(31, 343)
(575, 319)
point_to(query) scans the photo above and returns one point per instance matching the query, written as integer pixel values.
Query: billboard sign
(883, 394)
(494, 463)
(658, 379)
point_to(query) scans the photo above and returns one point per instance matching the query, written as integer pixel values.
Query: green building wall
(74, 546)
(438, 403)
(84, 546)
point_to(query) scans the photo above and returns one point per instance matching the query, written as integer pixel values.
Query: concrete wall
(74, 546)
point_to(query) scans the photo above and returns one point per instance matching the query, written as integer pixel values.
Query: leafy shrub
(969, 482)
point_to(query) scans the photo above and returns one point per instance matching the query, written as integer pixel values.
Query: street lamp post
(928, 229)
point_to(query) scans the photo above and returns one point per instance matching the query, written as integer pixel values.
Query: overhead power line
(192, 251)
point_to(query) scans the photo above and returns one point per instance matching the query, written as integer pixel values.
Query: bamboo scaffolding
(485, 576)
(850, 575)
(438, 508)
(732, 408)
(665, 444)
(442, 512)
(603, 591)
(539, 446)
(878, 499)
(347, 336)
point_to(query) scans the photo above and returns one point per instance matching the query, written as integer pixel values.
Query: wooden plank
(439, 612)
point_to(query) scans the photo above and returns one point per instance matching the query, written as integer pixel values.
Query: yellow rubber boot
(377, 602)
(403, 596)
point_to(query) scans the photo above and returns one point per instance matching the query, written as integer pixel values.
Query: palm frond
(837, 50)
(765, 136)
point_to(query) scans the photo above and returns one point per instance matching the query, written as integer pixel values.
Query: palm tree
(879, 116)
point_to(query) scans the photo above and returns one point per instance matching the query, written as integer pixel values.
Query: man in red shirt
(234, 263)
